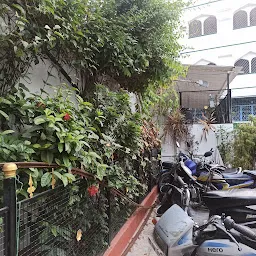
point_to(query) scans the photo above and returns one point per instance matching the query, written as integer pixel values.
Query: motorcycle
(190, 195)
(199, 168)
(176, 234)
(216, 177)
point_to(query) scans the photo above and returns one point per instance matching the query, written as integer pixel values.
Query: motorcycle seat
(229, 198)
(167, 164)
(236, 176)
(250, 172)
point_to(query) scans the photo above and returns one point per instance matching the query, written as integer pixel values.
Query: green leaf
(127, 150)
(93, 136)
(47, 145)
(94, 155)
(58, 162)
(54, 231)
(58, 175)
(22, 192)
(59, 34)
(47, 156)
(70, 177)
(56, 27)
(80, 33)
(43, 136)
(64, 180)
(19, 52)
(67, 147)
(101, 171)
(25, 44)
(66, 161)
(18, 7)
(7, 132)
(4, 115)
(36, 146)
(34, 172)
(5, 101)
(60, 147)
(46, 179)
(39, 120)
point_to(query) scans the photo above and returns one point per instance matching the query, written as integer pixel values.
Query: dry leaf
(79, 235)
(31, 189)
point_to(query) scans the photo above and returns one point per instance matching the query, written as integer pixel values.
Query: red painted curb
(131, 229)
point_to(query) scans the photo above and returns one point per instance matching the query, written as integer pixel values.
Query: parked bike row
(191, 185)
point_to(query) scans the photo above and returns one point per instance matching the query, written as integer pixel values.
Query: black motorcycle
(185, 191)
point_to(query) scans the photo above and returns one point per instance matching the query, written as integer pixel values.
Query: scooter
(186, 192)
(176, 234)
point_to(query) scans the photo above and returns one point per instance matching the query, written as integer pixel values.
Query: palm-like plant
(207, 121)
(175, 126)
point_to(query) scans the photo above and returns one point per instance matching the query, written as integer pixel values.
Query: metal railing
(196, 104)
(64, 221)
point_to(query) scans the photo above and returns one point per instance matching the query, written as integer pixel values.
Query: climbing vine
(129, 43)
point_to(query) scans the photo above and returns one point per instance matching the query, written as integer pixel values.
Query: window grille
(240, 20)
(244, 64)
(235, 113)
(253, 65)
(195, 28)
(210, 26)
(253, 17)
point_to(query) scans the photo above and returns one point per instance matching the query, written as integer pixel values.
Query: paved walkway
(142, 246)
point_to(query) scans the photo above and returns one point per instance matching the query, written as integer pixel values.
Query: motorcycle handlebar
(230, 223)
(180, 180)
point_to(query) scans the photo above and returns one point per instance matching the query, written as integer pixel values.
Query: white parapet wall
(199, 146)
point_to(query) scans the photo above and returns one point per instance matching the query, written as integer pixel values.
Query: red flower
(93, 190)
(67, 117)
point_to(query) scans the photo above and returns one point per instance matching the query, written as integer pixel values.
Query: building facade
(223, 33)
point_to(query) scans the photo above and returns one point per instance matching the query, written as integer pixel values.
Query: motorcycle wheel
(165, 178)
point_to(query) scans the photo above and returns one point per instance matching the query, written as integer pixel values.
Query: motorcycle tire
(166, 177)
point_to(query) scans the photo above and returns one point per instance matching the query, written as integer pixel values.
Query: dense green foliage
(245, 145)
(225, 145)
(104, 137)
(119, 44)
(131, 43)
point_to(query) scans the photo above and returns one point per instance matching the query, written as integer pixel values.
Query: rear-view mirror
(207, 154)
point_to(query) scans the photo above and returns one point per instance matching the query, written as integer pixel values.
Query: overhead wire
(218, 47)
(198, 5)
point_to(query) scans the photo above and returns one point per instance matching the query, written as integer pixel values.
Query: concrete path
(142, 246)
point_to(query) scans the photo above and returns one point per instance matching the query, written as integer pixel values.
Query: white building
(223, 33)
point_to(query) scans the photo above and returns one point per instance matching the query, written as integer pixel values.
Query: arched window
(245, 64)
(240, 20)
(253, 17)
(195, 28)
(210, 26)
(253, 65)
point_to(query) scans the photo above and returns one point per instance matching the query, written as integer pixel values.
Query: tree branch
(60, 68)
